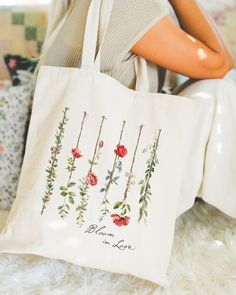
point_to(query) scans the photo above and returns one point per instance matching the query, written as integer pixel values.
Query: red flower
(92, 179)
(120, 220)
(76, 153)
(12, 63)
(120, 151)
(101, 143)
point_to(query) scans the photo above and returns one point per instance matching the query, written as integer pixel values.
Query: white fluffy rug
(203, 263)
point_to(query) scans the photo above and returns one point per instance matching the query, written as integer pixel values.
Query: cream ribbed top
(130, 19)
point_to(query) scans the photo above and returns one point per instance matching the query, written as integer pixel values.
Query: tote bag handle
(100, 11)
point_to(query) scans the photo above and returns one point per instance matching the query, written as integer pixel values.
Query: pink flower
(54, 150)
(76, 153)
(2, 149)
(101, 143)
(12, 63)
(92, 179)
(120, 220)
(120, 151)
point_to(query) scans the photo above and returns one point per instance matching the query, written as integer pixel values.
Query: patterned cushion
(14, 102)
(5, 83)
(15, 63)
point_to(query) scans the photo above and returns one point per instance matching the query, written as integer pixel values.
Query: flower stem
(132, 165)
(84, 187)
(51, 170)
(155, 146)
(77, 143)
(105, 201)
(145, 188)
(96, 145)
(115, 161)
(62, 208)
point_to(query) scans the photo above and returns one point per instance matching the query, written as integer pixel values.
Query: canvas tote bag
(103, 168)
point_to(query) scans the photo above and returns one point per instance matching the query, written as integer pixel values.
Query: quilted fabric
(14, 109)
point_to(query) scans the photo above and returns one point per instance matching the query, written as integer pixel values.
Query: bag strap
(97, 21)
(141, 70)
(105, 15)
(91, 33)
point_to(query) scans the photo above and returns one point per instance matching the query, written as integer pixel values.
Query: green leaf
(117, 205)
(128, 207)
(63, 193)
(148, 192)
(63, 188)
(71, 200)
(142, 189)
(141, 199)
(71, 184)
(72, 194)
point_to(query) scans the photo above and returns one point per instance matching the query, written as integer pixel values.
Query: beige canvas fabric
(100, 183)
(128, 22)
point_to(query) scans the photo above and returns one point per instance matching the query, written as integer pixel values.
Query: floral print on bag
(66, 191)
(90, 179)
(69, 190)
(145, 190)
(120, 220)
(123, 205)
(120, 152)
(53, 161)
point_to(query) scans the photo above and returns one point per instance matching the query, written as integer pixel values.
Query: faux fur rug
(203, 263)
